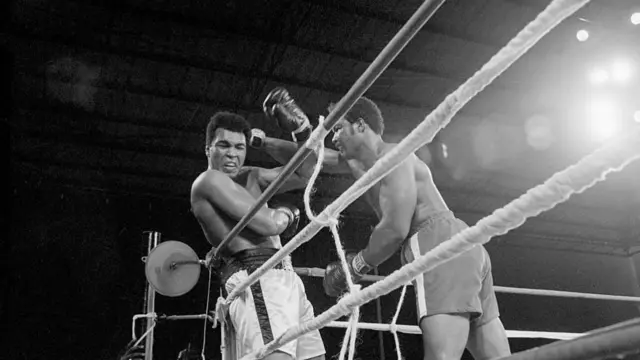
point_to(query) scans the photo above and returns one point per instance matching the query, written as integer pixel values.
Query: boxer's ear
(360, 125)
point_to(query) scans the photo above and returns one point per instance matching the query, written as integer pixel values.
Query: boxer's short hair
(229, 121)
(367, 110)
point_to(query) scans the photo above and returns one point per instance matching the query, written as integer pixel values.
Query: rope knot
(355, 288)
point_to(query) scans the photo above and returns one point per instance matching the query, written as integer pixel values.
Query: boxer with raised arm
(220, 197)
(456, 302)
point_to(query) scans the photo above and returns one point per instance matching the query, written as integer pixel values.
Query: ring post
(154, 240)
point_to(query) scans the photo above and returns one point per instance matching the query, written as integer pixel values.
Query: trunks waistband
(433, 217)
(249, 260)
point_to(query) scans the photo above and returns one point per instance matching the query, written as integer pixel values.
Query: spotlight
(582, 35)
(445, 151)
(598, 76)
(635, 18)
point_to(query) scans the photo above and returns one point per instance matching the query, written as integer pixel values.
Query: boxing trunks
(265, 310)
(461, 285)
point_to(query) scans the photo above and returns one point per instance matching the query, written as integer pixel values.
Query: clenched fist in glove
(335, 280)
(293, 214)
(280, 107)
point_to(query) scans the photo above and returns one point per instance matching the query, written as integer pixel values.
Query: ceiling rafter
(321, 200)
(329, 185)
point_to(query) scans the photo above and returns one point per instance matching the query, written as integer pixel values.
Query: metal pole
(379, 64)
(150, 306)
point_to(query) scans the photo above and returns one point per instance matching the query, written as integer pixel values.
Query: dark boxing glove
(257, 138)
(293, 213)
(280, 107)
(335, 280)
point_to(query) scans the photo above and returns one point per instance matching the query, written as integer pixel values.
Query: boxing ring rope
(373, 71)
(424, 132)
(558, 188)
(608, 341)
(317, 272)
(602, 343)
(414, 329)
(576, 178)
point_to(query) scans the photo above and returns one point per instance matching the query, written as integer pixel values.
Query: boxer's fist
(335, 281)
(257, 138)
(280, 107)
(293, 213)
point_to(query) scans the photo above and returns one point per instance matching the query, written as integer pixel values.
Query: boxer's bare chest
(248, 180)
(372, 196)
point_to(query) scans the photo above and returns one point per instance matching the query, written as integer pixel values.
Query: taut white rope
(576, 178)
(393, 326)
(352, 331)
(424, 133)
(317, 272)
(414, 329)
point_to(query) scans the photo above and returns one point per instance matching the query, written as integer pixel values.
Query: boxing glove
(257, 138)
(335, 280)
(293, 213)
(280, 107)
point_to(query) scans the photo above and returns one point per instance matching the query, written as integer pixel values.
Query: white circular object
(582, 35)
(172, 268)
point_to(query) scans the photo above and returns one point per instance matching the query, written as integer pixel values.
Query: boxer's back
(429, 201)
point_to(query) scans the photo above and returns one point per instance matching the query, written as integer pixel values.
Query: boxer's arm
(267, 176)
(235, 201)
(282, 151)
(398, 197)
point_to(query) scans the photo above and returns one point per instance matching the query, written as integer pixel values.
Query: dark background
(104, 107)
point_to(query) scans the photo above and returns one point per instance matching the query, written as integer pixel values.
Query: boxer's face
(227, 151)
(345, 138)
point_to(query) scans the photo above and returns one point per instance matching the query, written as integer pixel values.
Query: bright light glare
(635, 18)
(598, 76)
(602, 119)
(582, 35)
(636, 116)
(621, 70)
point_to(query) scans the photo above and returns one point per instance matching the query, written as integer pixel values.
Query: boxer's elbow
(395, 229)
(267, 223)
(391, 238)
(395, 240)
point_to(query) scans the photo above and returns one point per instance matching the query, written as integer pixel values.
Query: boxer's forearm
(383, 243)
(268, 222)
(283, 151)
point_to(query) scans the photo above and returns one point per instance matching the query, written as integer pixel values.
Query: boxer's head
(226, 142)
(362, 123)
